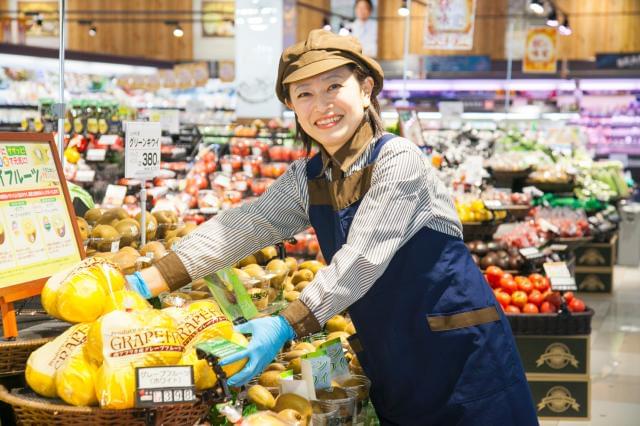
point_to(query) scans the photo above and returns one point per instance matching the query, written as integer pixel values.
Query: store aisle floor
(615, 354)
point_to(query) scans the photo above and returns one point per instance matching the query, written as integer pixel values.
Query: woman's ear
(287, 102)
(367, 90)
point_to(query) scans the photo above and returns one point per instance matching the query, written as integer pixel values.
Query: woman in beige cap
(431, 336)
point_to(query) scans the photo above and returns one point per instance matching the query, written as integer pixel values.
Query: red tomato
(536, 297)
(530, 308)
(512, 309)
(508, 285)
(541, 285)
(519, 298)
(494, 274)
(210, 166)
(503, 298)
(524, 284)
(554, 298)
(534, 278)
(568, 297)
(548, 308)
(576, 305)
(313, 247)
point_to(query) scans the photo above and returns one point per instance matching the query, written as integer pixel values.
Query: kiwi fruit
(291, 296)
(151, 224)
(331, 394)
(336, 323)
(187, 229)
(130, 250)
(156, 248)
(291, 416)
(312, 265)
(270, 379)
(481, 248)
(107, 235)
(295, 365)
(249, 260)
(261, 396)
(93, 215)
(302, 275)
(304, 346)
(280, 269)
(350, 329)
(292, 264)
(301, 285)
(344, 336)
(125, 261)
(294, 402)
(113, 216)
(171, 242)
(275, 366)
(165, 217)
(129, 230)
(288, 356)
(83, 227)
(266, 254)
(254, 271)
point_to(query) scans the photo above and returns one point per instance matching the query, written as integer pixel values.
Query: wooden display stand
(35, 214)
(595, 266)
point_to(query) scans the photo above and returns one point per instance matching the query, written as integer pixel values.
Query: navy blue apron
(430, 334)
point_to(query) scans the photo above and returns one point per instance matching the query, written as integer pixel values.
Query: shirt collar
(350, 151)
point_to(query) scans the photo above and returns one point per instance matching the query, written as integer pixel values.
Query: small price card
(142, 150)
(164, 385)
(560, 276)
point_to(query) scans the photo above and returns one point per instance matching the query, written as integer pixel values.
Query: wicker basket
(572, 242)
(14, 355)
(577, 323)
(31, 409)
(479, 230)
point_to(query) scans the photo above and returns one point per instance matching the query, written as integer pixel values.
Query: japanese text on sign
(142, 150)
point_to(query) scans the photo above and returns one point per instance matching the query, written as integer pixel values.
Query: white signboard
(169, 119)
(141, 150)
(259, 45)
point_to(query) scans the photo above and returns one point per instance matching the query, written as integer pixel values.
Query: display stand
(36, 215)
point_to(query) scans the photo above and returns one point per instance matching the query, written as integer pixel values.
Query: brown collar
(350, 151)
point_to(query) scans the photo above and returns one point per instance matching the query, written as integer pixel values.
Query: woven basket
(577, 323)
(14, 355)
(573, 242)
(31, 409)
(479, 230)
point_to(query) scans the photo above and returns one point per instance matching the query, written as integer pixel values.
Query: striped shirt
(405, 195)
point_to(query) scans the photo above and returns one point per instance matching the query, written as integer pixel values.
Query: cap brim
(316, 68)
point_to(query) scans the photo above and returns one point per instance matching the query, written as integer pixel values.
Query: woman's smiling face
(330, 106)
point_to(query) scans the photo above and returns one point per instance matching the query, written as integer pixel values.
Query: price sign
(164, 385)
(545, 225)
(114, 196)
(142, 150)
(531, 253)
(86, 175)
(96, 154)
(560, 276)
(169, 119)
(108, 139)
(493, 205)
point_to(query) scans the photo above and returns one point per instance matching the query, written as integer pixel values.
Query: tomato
(536, 298)
(530, 308)
(503, 298)
(554, 298)
(534, 278)
(541, 285)
(576, 305)
(524, 284)
(508, 285)
(512, 309)
(494, 274)
(568, 297)
(519, 298)
(548, 308)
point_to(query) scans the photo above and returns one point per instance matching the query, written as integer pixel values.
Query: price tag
(558, 247)
(164, 385)
(114, 196)
(169, 119)
(108, 139)
(142, 150)
(85, 175)
(451, 110)
(96, 154)
(560, 276)
(493, 205)
(531, 253)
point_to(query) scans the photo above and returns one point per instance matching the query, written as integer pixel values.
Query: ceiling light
(536, 7)
(403, 10)
(344, 31)
(93, 31)
(325, 24)
(178, 31)
(552, 19)
(565, 29)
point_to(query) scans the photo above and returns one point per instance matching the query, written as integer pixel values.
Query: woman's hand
(268, 336)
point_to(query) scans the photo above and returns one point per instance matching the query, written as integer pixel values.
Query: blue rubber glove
(268, 336)
(136, 283)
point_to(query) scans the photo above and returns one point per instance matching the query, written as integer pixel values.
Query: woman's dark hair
(371, 114)
(368, 2)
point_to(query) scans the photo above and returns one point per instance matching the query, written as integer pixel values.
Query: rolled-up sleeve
(277, 215)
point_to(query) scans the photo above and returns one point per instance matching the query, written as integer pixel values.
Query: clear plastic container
(209, 199)
(260, 185)
(345, 407)
(231, 163)
(240, 182)
(251, 165)
(105, 245)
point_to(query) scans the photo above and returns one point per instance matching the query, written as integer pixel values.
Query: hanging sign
(141, 150)
(540, 53)
(449, 25)
(39, 234)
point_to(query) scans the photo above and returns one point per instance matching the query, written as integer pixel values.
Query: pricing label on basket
(164, 385)
(142, 150)
(560, 276)
(545, 225)
(493, 205)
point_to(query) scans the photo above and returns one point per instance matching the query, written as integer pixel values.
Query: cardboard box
(565, 355)
(594, 280)
(597, 254)
(561, 397)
